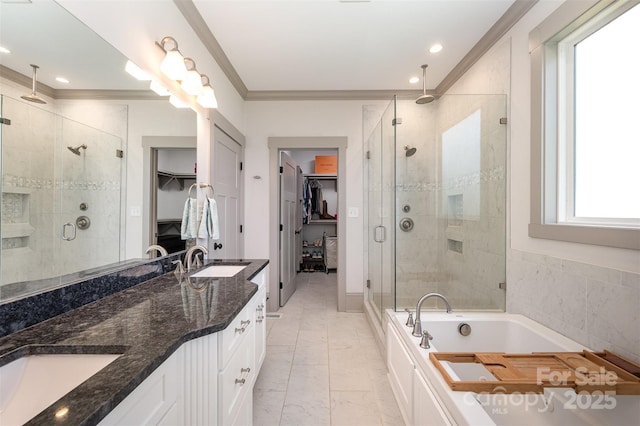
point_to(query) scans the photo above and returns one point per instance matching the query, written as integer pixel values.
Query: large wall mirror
(74, 200)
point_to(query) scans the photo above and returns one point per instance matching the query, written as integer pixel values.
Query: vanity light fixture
(192, 81)
(136, 71)
(159, 89)
(207, 98)
(172, 65)
(177, 102)
(183, 71)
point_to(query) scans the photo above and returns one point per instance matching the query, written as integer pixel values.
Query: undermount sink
(32, 383)
(220, 271)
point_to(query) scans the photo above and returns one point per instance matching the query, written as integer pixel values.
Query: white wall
(588, 293)
(303, 118)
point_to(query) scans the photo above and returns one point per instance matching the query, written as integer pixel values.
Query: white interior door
(227, 184)
(288, 211)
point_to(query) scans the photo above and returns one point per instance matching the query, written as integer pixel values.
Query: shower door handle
(379, 234)
(64, 231)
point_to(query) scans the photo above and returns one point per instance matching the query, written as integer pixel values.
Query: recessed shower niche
(16, 228)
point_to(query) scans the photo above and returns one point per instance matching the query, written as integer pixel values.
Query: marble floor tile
(354, 408)
(267, 407)
(322, 367)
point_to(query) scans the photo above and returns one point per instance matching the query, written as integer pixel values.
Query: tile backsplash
(598, 307)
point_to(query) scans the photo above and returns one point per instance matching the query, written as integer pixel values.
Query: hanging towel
(189, 228)
(209, 227)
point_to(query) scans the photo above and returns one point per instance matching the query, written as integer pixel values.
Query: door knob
(217, 246)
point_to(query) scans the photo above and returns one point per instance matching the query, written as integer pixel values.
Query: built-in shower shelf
(16, 230)
(14, 190)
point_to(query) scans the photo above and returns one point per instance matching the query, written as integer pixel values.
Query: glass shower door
(89, 213)
(380, 239)
(60, 199)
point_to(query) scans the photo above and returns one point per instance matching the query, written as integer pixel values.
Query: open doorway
(294, 159)
(175, 172)
(168, 172)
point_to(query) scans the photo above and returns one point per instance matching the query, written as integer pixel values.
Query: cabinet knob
(240, 381)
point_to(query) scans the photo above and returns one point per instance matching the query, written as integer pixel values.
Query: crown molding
(130, 95)
(79, 94)
(25, 81)
(327, 95)
(200, 27)
(517, 10)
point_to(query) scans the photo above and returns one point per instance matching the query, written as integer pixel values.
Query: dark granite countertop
(146, 323)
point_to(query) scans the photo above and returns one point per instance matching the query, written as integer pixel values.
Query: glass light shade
(177, 102)
(173, 65)
(208, 98)
(159, 89)
(192, 83)
(136, 71)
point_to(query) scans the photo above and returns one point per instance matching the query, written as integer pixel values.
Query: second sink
(220, 271)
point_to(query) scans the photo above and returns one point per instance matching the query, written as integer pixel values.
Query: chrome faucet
(188, 257)
(159, 249)
(417, 326)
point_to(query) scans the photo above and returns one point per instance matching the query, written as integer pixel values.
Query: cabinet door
(260, 328)
(401, 370)
(426, 409)
(154, 401)
(235, 381)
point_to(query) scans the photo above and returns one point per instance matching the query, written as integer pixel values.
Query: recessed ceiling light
(4, 50)
(62, 80)
(414, 80)
(435, 48)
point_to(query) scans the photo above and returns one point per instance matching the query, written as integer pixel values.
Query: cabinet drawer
(232, 337)
(236, 379)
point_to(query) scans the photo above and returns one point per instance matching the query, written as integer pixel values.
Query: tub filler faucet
(417, 326)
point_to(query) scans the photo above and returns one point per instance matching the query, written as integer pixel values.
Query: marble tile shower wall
(472, 207)
(417, 270)
(595, 306)
(43, 186)
(461, 249)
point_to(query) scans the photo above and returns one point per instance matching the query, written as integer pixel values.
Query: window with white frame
(586, 124)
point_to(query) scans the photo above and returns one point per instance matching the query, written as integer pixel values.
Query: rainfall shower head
(33, 97)
(424, 98)
(77, 149)
(409, 151)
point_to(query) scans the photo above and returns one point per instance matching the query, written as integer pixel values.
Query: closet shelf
(321, 222)
(165, 178)
(320, 176)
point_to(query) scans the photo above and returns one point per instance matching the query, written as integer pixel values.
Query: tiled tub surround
(21, 313)
(148, 321)
(595, 306)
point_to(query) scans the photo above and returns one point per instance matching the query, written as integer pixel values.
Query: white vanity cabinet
(208, 380)
(417, 402)
(155, 401)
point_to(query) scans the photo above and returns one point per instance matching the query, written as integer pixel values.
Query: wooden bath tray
(583, 371)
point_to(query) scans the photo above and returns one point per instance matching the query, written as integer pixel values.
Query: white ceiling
(293, 45)
(337, 45)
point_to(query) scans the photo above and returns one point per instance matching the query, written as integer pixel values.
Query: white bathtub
(498, 332)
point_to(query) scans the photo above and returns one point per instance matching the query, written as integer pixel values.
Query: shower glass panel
(380, 177)
(442, 202)
(60, 209)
